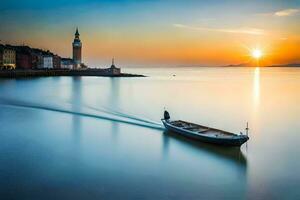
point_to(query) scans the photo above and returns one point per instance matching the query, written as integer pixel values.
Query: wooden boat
(204, 133)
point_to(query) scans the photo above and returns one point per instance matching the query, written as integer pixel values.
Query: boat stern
(242, 139)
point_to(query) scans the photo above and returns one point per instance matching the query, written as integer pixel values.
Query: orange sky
(160, 33)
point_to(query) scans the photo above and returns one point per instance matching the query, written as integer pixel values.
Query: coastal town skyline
(26, 57)
(27, 61)
(158, 33)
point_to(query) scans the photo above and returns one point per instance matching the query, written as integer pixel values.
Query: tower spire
(113, 63)
(77, 32)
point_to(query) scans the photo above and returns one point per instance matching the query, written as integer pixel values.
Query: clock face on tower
(76, 44)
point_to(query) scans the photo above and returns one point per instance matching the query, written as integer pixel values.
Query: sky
(158, 33)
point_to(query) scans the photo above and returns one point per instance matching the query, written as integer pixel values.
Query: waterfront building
(113, 70)
(67, 63)
(77, 46)
(1, 56)
(23, 57)
(37, 58)
(47, 62)
(8, 57)
(56, 62)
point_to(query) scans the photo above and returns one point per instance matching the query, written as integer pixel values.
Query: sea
(102, 137)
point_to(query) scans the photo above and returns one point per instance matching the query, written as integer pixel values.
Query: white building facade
(47, 62)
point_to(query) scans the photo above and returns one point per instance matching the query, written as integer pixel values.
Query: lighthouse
(77, 45)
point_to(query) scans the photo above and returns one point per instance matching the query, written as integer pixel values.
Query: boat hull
(213, 140)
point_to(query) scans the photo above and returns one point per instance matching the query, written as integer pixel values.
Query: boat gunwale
(234, 136)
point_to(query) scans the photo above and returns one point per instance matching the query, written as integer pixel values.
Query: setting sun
(257, 53)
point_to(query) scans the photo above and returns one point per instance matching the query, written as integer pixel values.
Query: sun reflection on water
(256, 86)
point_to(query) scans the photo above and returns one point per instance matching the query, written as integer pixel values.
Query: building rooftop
(7, 46)
(23, 49)
(67, 59)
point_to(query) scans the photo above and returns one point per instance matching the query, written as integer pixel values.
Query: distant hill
(237, 65)
(249, 65)
(286, 65)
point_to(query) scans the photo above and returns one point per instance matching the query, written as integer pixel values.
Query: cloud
(280, 13)
(250, 31)
(286, 12)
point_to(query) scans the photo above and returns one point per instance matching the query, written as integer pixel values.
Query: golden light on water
(256, 86)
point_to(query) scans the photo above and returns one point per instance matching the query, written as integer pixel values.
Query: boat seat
(191, 127)
(178, 124)
(204, 130)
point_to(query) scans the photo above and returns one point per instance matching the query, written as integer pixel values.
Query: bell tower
(77, 45)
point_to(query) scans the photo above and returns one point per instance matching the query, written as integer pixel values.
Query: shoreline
(61, 72)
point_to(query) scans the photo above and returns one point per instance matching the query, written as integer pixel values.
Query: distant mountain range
(237, 65)
(249, 65)
(286, 65)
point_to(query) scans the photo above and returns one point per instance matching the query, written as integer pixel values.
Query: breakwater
(62, 72)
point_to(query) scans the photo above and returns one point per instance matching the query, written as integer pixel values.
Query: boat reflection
(233, 154)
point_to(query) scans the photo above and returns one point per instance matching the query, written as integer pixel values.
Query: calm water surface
(101, 138)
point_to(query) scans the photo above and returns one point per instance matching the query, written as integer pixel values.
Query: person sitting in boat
(166, 115)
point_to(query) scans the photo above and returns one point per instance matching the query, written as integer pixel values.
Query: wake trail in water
(120, 114)
(117, 113)
(22, 104)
